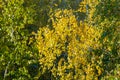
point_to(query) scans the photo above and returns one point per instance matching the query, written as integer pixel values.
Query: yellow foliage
(64, 49)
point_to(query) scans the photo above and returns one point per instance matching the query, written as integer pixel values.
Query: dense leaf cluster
(59, 40)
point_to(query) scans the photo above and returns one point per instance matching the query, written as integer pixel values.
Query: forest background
(59, 39)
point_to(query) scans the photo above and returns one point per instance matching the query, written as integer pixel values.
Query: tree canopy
(59, 40)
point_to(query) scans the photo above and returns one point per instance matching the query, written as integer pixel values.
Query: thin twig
(6, 70)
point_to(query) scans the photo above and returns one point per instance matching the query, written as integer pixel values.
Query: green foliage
(59, 39)
(106, 17)
(15, 54)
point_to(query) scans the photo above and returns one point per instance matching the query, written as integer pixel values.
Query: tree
(59, 39)
(65, 51)
(106, 17)
(16, 56)
(71, 51)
